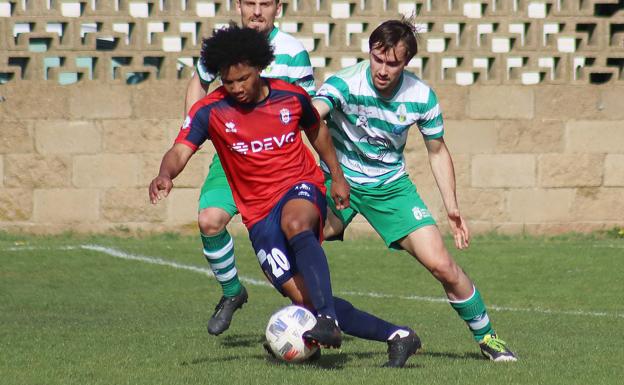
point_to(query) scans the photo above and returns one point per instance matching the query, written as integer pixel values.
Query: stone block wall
(91, 96)
(86, 169)
(530, 169)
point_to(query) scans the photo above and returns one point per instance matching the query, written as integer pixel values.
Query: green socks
(219, 252)
(472, 311)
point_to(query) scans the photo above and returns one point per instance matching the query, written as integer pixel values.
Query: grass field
(108, 310)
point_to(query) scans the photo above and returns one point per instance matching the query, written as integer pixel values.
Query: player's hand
(159, 188)
(340, 192)
(461, 234)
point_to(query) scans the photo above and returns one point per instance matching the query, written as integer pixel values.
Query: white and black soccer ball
(284, 333)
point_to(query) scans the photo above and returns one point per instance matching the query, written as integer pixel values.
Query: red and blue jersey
(260, 145)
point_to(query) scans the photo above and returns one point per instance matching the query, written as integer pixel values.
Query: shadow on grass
(231, 341)
(453, 356)
(330, 362)
(242, 340)
(334, 360)
(330, 359)
(203, 360)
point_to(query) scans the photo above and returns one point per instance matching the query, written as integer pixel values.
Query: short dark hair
(234, 45)
(389, 33)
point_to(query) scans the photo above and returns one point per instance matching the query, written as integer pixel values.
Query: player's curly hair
(234, 45)
(389, 33)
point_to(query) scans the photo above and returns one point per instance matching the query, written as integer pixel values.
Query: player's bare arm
(444, 174)
(321, 141)
(195, 90)
(321, 108)
(172, 164)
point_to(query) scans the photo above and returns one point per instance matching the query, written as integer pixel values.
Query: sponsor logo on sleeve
(187, 123)
(322, 92)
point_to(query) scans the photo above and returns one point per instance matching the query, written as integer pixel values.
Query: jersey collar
(272, 34)
(369, 78)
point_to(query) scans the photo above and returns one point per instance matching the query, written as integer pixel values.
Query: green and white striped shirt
(291, 63)
(370, 131)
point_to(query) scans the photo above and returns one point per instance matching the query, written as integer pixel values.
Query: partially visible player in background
(370, 108)
(255, 126)
(216, 206)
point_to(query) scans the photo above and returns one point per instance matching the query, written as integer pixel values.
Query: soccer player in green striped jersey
(370, 107)
(216, 205)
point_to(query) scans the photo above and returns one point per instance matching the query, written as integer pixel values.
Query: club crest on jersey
(285, 115)
(402, 113)
(362, 121)
(230, 127)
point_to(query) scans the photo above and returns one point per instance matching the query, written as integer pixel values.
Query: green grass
(70, 315)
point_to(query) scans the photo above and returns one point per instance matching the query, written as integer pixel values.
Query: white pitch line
(492, 307)
(609, 246)
(31, 248)
(159, 261)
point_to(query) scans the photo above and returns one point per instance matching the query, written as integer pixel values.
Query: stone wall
(533, 101)
(527, 158)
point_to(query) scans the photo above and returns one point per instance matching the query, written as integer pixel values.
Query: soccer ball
(284, 333)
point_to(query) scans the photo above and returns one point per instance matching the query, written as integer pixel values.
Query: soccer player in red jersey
(255, 125)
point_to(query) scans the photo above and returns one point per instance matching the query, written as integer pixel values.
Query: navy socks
(312, 264)
(361, 324)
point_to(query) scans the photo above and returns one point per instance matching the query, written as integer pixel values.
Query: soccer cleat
(496, 349)
(325, 333)
(315, 356)
(401, 348)
(222, 316)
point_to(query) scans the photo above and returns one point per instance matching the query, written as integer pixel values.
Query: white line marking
(30, 248)
(406, 297)
(609, 246)
(489, 306)
(159, 261)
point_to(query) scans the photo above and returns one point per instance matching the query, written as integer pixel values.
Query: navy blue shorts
(275, 256)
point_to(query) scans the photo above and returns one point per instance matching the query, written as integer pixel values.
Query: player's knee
(212, 222)
(294, 225)
(447, 272)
